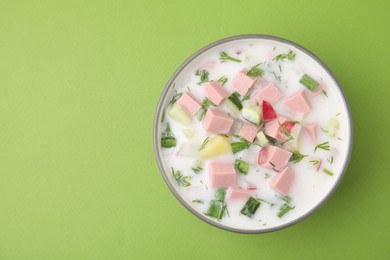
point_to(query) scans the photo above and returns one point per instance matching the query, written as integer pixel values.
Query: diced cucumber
(309, 83)
(232, 108)
(177, 113)
(333, 126)
(263, 141)
(252, 113)
(235, 99)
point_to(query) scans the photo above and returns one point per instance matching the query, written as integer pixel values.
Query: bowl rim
(167, 89)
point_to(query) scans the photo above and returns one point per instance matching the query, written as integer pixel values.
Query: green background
(79, 84)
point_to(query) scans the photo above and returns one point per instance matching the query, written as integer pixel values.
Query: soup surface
(253, 134)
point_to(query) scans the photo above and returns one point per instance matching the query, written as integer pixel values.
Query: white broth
(316, 172)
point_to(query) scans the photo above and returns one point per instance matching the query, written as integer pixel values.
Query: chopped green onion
(217, 206)
(309, 83)
(328, 172)
(239, 146)
(255, 71)
(250, 207)
(242, 166)
(216, 209)
(220, 195)
(167, 138)
(235, 99)
(223, 80)
(224, 57)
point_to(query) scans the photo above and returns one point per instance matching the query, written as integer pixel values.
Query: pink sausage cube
(222, 175)
(191, 104)
(237, 194)
(248, 131)
(215, 92)
(242, 83)
(272, 128)
(298, 103)
(311, 131)
(269, 93)
(282, 181)
(274, 157)
(217, 122)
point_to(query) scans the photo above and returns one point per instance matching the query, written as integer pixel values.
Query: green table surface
(79, 84)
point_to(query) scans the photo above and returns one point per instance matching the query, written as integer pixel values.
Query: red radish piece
(262, 155)
(288, 125)
(251, 188)
(268, 111)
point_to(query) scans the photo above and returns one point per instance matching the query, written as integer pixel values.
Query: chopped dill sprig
(286, 199)
(286, 207)
(273, 165)
(323, 130)
(330, 160)
(283, 56)
(205, 105)
(267, 175)
(204, 76)
(204, 184)
(255, 71)
(269, 203)
(286, 132)
(247, 97)
(315, 162)
(297, 156)
(223, 80)
(224, 57)
(198, 201)
(277, 77)
(204, 143)
(325, 93)
(181, 179)
(175, 98)
(323, 146)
